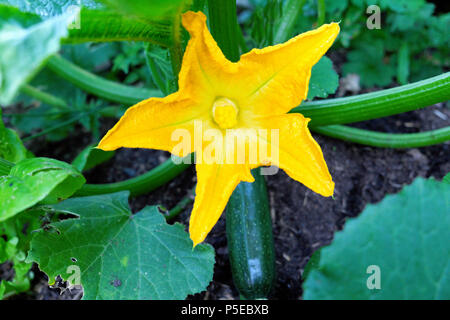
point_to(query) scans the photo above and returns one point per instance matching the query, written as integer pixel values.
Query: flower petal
(203, 61)
(299, 154)
(215, 184)
(152, 123)
(279, 75)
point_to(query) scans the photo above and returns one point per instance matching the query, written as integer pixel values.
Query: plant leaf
(91, 157)
(15, 237)
(446, 178)
(49, 8)
(11, 147)
(324, 80)
(147, 10)
(36, 180)
(93, 23)
(405, 235)
(121, 255)
(118, 28)
(367, 60)
(25, 42)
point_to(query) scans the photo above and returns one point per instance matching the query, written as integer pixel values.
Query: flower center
(225, 113)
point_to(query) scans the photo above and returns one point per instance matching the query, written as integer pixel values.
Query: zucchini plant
(229, 93)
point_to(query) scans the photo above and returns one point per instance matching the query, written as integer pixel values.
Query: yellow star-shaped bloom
(233, 98)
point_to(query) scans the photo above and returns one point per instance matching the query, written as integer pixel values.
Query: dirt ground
(302, 220)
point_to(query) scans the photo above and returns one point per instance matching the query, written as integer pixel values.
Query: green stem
(142, 184)
(155, 73)
(385, 140)
(176, 50)
(61, 124)
(179, 207)
(322, 112)
(377, 104)
(291, 12)
(98, 86)
(52, 100)
(242, 44)
(5, 167)
(223, 25)
(44, 97)
(320, 12)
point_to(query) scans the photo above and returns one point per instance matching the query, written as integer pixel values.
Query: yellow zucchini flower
(240, 99)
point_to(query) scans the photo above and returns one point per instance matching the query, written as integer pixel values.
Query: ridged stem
(377, 104)
(385, 140)
(322, 112)
(98, 86)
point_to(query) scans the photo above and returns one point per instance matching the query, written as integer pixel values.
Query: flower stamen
(225, 113)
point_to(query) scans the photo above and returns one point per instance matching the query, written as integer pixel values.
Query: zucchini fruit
(250, 239)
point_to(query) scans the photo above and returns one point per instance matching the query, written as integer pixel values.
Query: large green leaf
(324, 80)
(37, 180)
(121, 255)
(106, 25)
(95, 23)
(403, 241)
(25, 42)
(147, 10)
(11, 147)
(49, 8)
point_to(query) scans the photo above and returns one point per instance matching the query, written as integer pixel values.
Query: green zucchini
(250, 239)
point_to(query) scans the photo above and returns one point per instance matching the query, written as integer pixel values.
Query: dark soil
(302, 220)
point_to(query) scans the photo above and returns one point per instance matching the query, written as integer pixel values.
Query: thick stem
(322, 112)
(377, 104)
(385, 140)
(98, 86)
(223, 25)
